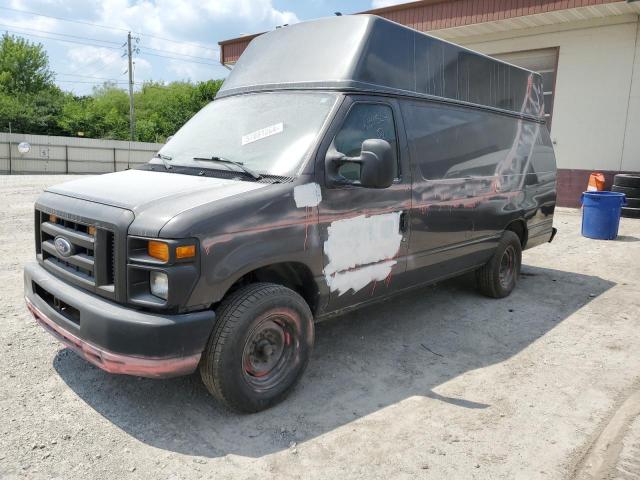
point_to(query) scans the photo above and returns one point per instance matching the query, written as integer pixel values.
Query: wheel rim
(507, 270)
(269, 350)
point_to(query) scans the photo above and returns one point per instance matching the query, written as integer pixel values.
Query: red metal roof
(426, 15)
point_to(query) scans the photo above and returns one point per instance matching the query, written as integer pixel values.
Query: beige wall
(596, 115)
(631, 152)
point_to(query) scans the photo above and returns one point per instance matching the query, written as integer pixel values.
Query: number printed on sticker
(262, 133)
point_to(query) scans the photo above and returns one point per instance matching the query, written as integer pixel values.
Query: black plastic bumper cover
(114, 328)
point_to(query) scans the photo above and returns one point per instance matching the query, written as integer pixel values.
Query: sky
(89, 50)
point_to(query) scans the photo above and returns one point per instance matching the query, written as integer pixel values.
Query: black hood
(154, 197)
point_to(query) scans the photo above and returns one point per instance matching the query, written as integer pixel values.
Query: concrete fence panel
(51, 154)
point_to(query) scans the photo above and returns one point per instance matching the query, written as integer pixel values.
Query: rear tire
(259, 348)
(630, 212)
(499, 276)
(627, 180)
(628, 191)
(633, 202)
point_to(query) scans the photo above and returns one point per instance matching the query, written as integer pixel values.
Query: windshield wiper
(165, 160)
(254, 175)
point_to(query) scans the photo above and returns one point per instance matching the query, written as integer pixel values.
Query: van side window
(365, 121)
(455, 142)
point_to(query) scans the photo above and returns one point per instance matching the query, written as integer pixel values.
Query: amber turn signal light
(186, 251)
(91, 230)
(158, 250)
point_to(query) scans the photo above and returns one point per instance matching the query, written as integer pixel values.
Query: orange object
(596, 182)
(186, 251)
(159, 250)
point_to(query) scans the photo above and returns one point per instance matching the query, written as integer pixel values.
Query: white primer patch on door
(307, 195)
(359, 278)
(361, 250)
(262, 133)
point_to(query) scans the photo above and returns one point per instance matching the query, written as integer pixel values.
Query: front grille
(91, 262)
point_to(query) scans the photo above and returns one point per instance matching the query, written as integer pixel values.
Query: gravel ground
(439, 383)
(628, 463)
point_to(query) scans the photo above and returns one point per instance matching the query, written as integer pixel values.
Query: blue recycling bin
(601, 214)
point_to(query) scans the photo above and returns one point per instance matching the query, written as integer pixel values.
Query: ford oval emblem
(63, 246)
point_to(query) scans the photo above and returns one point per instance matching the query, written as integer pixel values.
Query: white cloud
(85, 56)
(102, 64)
(189, 23)
(385, 3)
(87, 65)
(255, 11)
(184, 18)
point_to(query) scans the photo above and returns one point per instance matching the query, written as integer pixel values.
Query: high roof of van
(366, 53)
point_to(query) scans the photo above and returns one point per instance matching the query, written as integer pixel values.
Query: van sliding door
(467, 173)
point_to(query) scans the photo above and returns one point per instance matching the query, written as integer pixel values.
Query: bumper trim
(111, 362)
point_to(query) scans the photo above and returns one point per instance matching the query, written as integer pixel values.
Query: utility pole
(132, 113)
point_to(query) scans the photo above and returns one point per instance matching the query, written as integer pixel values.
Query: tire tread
(633, 202)
(630, 212)
(633, 192)
(626, 180)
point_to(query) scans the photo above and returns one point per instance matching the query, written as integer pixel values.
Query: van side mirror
(375, 162)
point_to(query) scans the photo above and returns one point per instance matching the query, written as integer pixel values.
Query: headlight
(159, 283)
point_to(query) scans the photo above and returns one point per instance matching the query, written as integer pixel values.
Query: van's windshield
(269, 133)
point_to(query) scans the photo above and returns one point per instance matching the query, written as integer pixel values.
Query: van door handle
(404, 222)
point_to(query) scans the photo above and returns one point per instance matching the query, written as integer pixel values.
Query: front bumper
(115, 338)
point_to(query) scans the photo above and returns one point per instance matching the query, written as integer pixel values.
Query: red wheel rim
(270, 349)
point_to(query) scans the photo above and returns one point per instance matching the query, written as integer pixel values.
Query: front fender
(228, 257)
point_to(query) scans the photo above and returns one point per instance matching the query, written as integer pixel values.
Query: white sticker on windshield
(262, 133)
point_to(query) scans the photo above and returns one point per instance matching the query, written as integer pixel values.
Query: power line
(97, 83)
(118, 48)
(180, 54)
(174, 57)
(108, 27)
(60, 34)
(178, 41)
(178, 59)
(84, 76)
(100, 70)
(89, 82)
(63, 19)
(62, 40)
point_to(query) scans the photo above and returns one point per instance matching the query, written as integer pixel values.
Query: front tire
(499, 276)
(259, 348)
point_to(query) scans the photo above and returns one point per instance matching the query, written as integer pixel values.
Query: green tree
(31, 103)
(104, 114)
(29, 100)
(24, 66)
(162, 109)
(33, 113)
